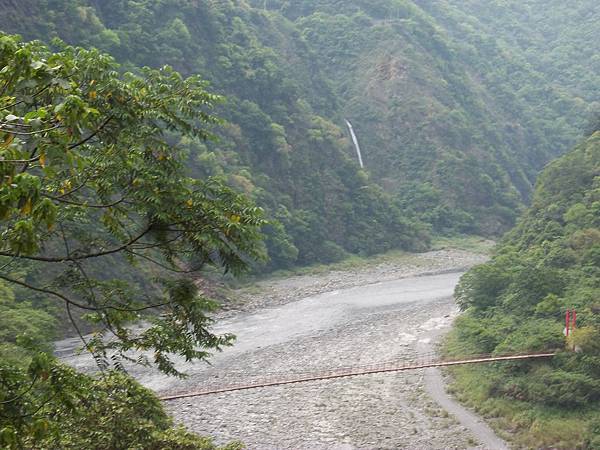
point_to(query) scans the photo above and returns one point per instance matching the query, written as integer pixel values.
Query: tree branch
(28, 133)
(32, 157)
(80, 257)
(175, 269)
(12, 260)
(14, 399)
(48, 291)
(148, 245)
(69, 202)
(82, 338)
(20, 161)
(23, 101)
(79, 305)
(82, 185)
(100, 127)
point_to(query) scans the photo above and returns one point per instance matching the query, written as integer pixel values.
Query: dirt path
(435, 388)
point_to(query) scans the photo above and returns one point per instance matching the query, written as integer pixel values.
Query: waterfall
(360, 161)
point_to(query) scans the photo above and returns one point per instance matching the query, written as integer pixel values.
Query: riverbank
(438, 420)
(525, 425)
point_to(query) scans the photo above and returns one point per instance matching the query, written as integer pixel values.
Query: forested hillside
(541, 31)
(278, 145)
(230, 152)
(91, 187)
(454, 126)
(549, 263)
(452, 120)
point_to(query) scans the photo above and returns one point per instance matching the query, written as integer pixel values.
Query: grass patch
(475, 244)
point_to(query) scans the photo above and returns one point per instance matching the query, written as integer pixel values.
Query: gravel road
(317, 322)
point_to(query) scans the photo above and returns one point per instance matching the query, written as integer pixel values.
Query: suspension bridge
(421, 361)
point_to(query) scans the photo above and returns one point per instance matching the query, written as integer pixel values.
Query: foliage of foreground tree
(88, 183)
(75, 411)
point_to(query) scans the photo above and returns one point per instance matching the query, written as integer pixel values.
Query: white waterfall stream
(360, 160)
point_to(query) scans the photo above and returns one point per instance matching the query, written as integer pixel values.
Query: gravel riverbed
(310, 323)
(275, 292)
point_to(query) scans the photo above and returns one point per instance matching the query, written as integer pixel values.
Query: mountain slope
(517, 302)
(454, 119)
(453, 123)
(278, 144)
(557, 39)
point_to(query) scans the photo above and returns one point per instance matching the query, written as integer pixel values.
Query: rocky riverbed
(309, 323)
(279, 291)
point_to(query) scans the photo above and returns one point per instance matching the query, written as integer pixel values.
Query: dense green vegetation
(549, 263)
(44, 404)
(113, 175)
(89, 174)
(452, 122)
(278, 145)
(89, 177)
(555, 38)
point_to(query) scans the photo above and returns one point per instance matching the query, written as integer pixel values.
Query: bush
(71, 411)
(565, 389)
(586, 339)
(594, 432)
(331, 253)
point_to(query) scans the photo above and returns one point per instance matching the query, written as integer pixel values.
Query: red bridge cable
(354, 372)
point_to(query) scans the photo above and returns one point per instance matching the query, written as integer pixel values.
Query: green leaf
(35, 65)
